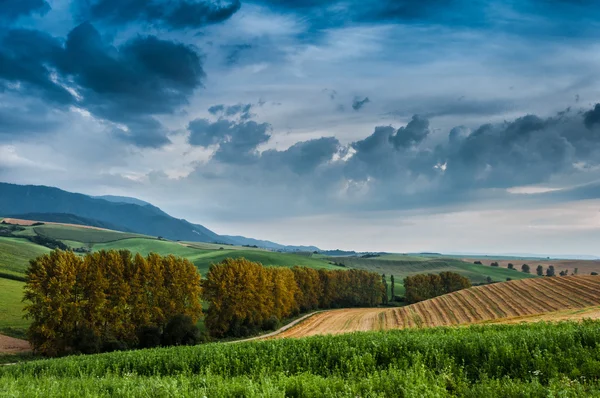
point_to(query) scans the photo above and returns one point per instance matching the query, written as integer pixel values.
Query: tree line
(108, 300)
(425, 286)
(245, 297)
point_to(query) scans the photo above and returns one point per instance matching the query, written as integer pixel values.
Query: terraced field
(508, 300)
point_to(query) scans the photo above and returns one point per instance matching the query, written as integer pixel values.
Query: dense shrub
(149, 337)
(180, 330)
(425, 286)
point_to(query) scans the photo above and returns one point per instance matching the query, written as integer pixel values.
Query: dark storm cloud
(327, 13)
(592, 117)
(178, 14)
(26, 57)
(127, 85)
(14, 9)
(357, 104)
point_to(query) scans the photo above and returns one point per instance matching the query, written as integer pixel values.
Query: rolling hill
(401, 266)
(148, 220)
(500, 301)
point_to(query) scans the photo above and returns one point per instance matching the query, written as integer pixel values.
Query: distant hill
(128, 217)
(243, 241)
(120, 213)
(123, 199)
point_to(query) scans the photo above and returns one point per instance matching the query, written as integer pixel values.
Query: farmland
(402, 266)
(583, 266)
(518, 360)
(15, 253)
(477, 304)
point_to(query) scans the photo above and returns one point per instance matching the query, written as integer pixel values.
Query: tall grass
(519, 360)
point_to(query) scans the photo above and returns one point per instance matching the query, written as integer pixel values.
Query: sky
(389, 125)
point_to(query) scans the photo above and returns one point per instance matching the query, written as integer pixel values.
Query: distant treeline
(107, 300)
(245, 297)
(425, 286)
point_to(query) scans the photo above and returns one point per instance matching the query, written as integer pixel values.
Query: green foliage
(530, 360)
(525, 268)
(181, 330)
(97, 302)
(550, 271)
(423, 287)
(540, 270)
(244, 296)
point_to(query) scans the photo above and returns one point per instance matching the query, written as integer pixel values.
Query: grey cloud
(592, 117)
(241, 110)
(237, 140)
(179, 14)
(144, 133)
(357, 104)
(302, 157)
(14, 9)
(17, 121)
(414, 132)
(235, 53)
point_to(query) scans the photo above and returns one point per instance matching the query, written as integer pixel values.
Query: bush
(149, 337)
(594, 273)
(180, 330)
(477, 262)
(86, 341)
(271, 324)
(112, 345)
(495, 264)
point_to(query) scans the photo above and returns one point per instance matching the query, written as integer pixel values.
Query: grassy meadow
(533, 360)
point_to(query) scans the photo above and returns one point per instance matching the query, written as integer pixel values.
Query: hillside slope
(477, 304)
(148, 220)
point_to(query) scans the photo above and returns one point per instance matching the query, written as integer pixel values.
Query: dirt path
(10, 345)
(280, 330)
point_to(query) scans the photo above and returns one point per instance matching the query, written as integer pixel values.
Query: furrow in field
(511, 301)
(574, 289)
(474, 296)
(512, 306)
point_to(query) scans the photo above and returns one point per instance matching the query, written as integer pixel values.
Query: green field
(533, 360)
(15, 255)
(402, 266)
(83, 235)
(11, 309)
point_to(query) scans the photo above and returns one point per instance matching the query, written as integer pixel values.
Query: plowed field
(507, 300)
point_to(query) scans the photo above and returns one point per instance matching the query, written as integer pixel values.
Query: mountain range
(50, 204)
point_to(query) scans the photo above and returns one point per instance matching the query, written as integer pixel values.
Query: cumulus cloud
(402, 168)
(179, 14)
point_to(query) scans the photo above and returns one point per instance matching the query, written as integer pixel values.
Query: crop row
(518, 360)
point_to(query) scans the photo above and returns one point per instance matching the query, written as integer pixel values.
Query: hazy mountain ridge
(50, 204)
